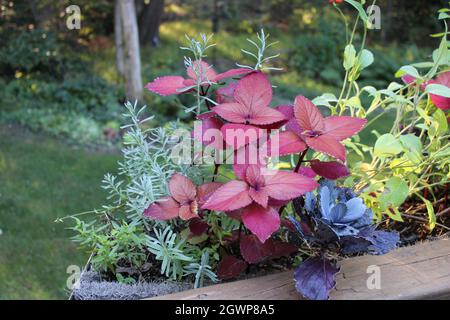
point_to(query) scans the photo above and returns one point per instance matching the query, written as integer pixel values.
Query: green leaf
(387, 145)
(430, 211)
(411, 142)
(354, 102)
(440, 57)
(349, 57)
(443, 16)
(410, 70)
(440, 119)
(438, 89)
(359, 7)
(443, 153)
(366, 58)
(395, 193)
(431, 215)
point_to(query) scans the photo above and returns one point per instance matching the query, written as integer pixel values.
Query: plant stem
(216, 170)
(300, 160)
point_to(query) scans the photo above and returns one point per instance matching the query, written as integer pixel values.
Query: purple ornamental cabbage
(338, 222)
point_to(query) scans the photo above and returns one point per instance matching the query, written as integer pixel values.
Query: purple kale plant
(334, 221)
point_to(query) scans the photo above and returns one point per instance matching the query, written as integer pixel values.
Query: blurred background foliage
(64, 84)
(64, 81)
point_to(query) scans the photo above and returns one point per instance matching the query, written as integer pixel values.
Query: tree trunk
(133, 81)
(149, 21)
(118, 37)
(215, 17)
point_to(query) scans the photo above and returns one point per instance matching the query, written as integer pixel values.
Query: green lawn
(42, 179)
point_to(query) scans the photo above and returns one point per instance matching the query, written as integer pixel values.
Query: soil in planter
(415, 226)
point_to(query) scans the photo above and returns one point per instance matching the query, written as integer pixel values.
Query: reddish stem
(300, 160)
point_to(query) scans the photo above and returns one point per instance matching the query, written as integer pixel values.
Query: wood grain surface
(421, 271)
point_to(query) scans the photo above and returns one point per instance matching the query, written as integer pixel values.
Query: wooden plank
(421, 271)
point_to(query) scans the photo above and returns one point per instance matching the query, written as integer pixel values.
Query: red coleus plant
(441, 102)
(242, 118)
(254, 194)
(252, 96)
(185, 200)
(307, 128)
(170, 85)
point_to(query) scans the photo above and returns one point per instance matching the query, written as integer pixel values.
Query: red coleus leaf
(166, 86)
(226, 94)
(259, 184)
(182, 189)
(231, 196)
(319, 133)
(442, 103)
(185, 199)
(282, 249)
(239, 135)
(203, 69)
(232, 73)
(170, 85)
(289, 143)
(230, 267)
(307, 172)
(343, 127)
(246, 156)
(329, 169)
(308, 116)
(205, 191)
(164, 209)
(327, 145)
(261, 221)
(285, 185)
(198, 227)
(209, 131)
(253, 250)
(253, 94)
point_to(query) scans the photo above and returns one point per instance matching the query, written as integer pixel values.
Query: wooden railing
(421, 271)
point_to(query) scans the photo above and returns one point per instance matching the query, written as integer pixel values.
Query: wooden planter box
(421, 271)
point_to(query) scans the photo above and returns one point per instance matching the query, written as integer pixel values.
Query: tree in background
(149, 19)
(131, 51)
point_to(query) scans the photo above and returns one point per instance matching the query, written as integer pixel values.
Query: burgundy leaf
(253, 250)
(330, 170)
(198, 227)
(307, 172)
(282, 249)
(230, 267)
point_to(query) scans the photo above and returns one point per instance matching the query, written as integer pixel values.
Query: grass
(42, 179)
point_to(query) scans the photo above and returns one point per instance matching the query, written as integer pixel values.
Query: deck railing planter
(421, 271)
(197, 218)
